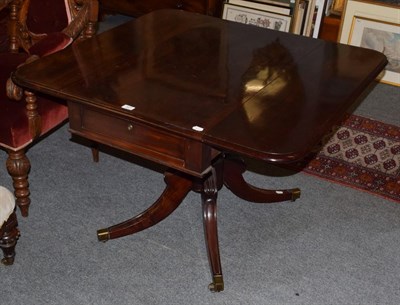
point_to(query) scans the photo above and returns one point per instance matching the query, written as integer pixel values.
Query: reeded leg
(18, 167)
(209, 201)
(9, 234)
(233, 179)
(176, 190)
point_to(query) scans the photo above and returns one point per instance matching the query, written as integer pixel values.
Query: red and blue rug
(361, 153)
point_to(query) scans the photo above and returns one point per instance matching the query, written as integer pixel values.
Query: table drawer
(130, 132)
(175, 151)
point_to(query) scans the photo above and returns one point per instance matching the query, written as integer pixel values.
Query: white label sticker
(127, 107)
(197, 128)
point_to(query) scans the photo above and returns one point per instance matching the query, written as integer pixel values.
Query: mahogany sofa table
(195, 93)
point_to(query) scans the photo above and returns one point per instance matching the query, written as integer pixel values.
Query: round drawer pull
(130, 127)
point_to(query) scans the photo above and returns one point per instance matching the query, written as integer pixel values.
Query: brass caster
(217, 285)
(295, 194)
(7, 261)
(103, 235)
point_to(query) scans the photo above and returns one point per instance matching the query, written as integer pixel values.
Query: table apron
(163, 147)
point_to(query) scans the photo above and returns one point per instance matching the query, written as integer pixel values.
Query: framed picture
(383, 37)
(377, 27)
(256, 17)
(317, 18)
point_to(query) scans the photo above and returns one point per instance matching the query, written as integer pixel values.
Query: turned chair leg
(18, 166)
(9, 235)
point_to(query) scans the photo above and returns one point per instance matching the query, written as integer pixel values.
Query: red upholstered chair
(36, 28)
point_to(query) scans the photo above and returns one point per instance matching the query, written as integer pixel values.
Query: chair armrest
(85, 17)
(16, 93)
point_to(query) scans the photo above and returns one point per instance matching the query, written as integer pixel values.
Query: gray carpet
(335, 245)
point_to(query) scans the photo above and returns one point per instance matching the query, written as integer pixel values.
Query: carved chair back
(58, 22)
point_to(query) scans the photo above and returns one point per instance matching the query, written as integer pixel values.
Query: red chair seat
(53, 42)
(14, 128)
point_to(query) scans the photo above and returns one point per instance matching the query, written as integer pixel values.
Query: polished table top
(257, 92)
(193, 92)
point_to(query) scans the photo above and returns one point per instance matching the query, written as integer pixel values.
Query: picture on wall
(256, 17)
(374, 25)
(383, 37)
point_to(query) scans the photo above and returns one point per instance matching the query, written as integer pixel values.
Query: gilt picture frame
(383, 37)
(377, 27)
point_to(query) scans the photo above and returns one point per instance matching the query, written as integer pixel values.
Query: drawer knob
(130, 127)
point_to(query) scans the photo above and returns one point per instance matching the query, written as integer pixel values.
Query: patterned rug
(361, 153)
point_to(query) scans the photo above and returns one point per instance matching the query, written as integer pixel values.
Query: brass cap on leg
(295, 194)
(103, 235)
(218, 283)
